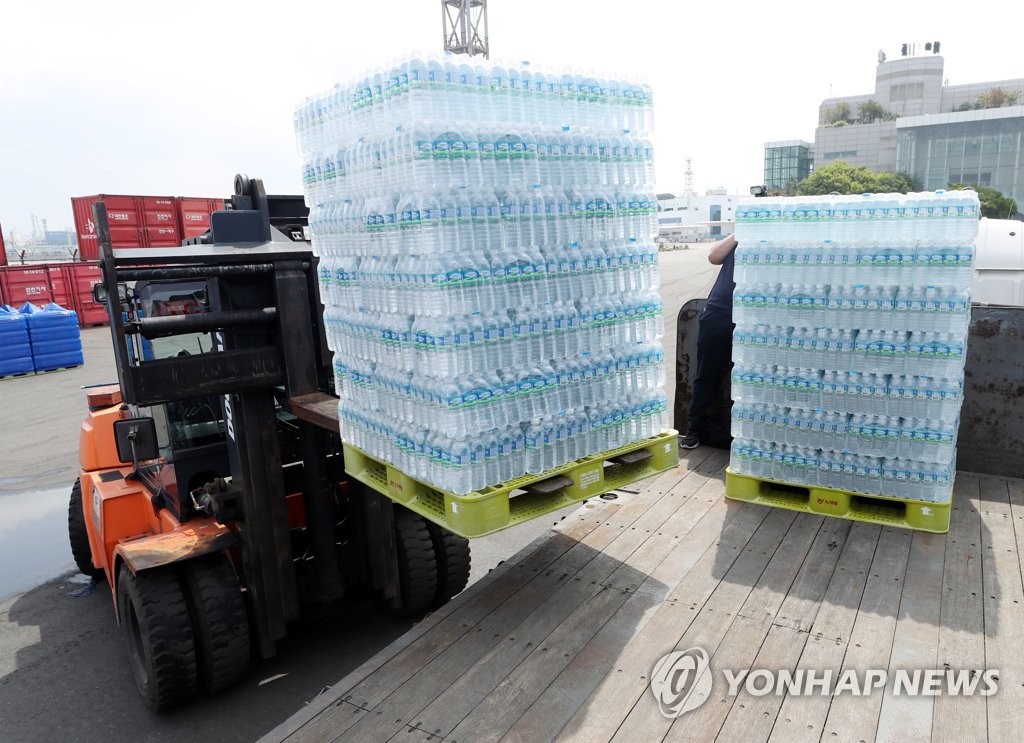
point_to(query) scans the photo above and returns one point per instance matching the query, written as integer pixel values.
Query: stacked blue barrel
(53, 333)
(15, 349)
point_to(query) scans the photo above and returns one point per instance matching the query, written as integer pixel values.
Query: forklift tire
(78, 535)
(453, 562)
(158, 636)
(219, 621)
(417, 567)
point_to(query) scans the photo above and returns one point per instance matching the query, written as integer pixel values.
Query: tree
(838, 113)
(895, 182)
(993, 203)
(997, 98)
(790, 186)
(871, 110)
(841, 177)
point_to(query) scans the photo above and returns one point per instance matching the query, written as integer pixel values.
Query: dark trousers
(714, 354)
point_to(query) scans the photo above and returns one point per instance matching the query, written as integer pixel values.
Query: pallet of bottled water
(487, 265)
(851, 329)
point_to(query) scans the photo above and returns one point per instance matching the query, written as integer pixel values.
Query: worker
(714, 345)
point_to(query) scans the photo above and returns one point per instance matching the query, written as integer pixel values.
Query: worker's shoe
(689, 440)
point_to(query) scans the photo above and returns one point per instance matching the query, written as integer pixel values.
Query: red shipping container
(3, 253)
(26, 284)
(163, 237)
(123, 216)
(159, 222)
(194, 215)
(142, 221)
(61, 289)
(158, 204)
(83, 276)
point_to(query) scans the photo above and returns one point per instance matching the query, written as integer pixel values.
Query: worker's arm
(721, 249)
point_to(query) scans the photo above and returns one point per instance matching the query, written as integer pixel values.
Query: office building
(916, 123)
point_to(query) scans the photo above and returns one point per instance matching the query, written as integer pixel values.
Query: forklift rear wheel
(78, 534)
(158, 636)
(453, 561)
(417, 567)
(219, 622)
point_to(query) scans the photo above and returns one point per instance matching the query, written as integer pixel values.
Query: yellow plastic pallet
(874, 509)
(524, 498)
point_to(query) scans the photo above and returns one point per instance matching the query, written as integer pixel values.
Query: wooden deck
(559, 642)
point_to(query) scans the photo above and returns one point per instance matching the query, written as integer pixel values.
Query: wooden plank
(915, 642)
(805, 596)
(616, 566)
(741, 646)
(1004, 609)
(693, 498)
(619, 690)
(1015, 488)
(595, 663)
(736, 652)
(542, 551)
(554, 545)
(962, 620)
(776, 581)
(398, 700)
(495, 714)
(700, 463)
(477, 600)
(714, 620)
(856, 717)
(752, 718)
(802, 719)
(317, 408)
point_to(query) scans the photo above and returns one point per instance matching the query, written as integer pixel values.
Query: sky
(174, 98)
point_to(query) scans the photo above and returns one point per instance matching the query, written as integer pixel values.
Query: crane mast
(465, 27)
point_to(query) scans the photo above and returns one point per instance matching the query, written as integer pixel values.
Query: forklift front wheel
(453, 562)
(417, 566)
(158, 636)
(220, 623)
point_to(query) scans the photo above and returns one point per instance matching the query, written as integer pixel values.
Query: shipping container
(3, 253)
(26, 284)
(123, 216)
(66, 284)
(194, 215)
(61, 289)
(83, 276)
(142, 221)
(159, 222)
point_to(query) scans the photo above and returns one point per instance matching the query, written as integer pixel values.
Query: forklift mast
(263, 311)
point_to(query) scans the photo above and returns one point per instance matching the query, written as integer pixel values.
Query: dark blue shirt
(720, 300)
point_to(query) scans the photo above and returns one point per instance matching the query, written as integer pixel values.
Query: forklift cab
(188, 444)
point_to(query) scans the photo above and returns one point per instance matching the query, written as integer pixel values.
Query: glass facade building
(786, 164)
(983, 147)
(935, 132)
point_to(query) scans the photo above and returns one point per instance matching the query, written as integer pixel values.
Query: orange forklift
(212, 495)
